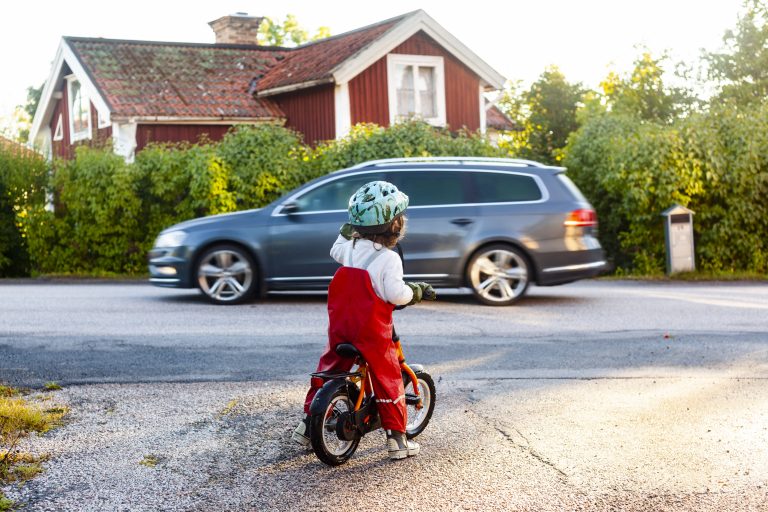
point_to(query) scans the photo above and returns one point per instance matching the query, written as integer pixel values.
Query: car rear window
(431, 188)
(503, 187)
(571, 186)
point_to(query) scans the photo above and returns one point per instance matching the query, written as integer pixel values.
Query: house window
(79, 112)
(58, 133)
(416, 88)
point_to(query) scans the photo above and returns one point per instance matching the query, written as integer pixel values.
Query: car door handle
(462, 222)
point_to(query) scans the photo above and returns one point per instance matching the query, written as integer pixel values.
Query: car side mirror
(289, 208)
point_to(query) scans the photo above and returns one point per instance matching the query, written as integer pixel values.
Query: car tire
(226, 274)
(498, 274)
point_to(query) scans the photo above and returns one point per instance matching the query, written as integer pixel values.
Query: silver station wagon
(492, 225)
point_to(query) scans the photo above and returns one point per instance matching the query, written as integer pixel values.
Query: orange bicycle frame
(364, 381)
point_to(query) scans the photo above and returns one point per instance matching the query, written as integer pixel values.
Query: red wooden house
(137, 92)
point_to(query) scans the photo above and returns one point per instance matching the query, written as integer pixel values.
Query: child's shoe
(399, 446)
(301, 433)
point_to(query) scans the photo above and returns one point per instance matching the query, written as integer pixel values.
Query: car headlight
(171, 239)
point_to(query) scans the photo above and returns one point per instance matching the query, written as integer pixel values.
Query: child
(361, 298)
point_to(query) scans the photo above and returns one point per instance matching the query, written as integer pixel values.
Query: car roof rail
(459, 160)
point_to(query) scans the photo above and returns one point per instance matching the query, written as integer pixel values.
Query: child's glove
(421, 291)
(347, 230)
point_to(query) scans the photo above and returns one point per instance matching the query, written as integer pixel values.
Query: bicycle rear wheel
(328, 444)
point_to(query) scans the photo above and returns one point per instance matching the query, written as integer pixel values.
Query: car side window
(334, 195)
(503, 187)
(431, 188)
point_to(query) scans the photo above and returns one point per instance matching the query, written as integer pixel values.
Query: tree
(741, 69)
(33, 99)
(547, 113)
(644, 94)
(289, 33)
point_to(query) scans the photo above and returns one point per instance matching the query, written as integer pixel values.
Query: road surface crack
(525, 445)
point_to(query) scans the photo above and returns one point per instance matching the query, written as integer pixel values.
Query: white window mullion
(416, 93)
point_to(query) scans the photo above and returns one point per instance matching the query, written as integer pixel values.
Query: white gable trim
(409, 26)
(45, 109)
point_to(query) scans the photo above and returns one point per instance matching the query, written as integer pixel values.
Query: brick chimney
(237, 28)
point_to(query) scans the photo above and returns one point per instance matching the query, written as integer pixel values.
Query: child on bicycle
(361, 298)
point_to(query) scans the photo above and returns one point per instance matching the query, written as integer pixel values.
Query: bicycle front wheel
(418, 418)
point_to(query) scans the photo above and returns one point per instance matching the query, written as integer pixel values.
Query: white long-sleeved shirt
(386, 270)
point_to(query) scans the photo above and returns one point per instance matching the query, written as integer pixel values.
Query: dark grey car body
(457, 207)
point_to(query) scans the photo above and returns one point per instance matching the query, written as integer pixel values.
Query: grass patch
(51, 386)
(149, 461)
(100, 274)
(19, 417)
(228, 408)
(6, 391)
(5, 503)
(688, 276)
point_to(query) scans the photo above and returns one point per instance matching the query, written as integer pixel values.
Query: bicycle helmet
(374, 206)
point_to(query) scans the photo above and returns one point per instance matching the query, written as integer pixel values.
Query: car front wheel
(498, 275)
(226, 274)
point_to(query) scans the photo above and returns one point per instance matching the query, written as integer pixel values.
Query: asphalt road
(592, 396)
(99, 333)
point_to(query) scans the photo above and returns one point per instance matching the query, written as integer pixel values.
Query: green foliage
(409, 139)
(23, 176)
(547, 113)
(264, 162)
(741, 68)
(289, 33)
(109, 212)
(714, 163)
(644, 94)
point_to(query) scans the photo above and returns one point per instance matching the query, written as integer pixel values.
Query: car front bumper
(169, 268)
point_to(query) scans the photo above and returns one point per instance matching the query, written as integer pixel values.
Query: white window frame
(103, 119)
(430, 61)
(86, 134)
(58, 133)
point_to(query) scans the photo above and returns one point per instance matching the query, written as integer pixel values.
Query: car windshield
(334, 195)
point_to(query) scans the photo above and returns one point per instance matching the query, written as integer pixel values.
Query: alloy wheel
(498, 275)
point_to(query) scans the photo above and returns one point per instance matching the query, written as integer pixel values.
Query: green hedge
(109, 212)
(23, 177)
(715, 163)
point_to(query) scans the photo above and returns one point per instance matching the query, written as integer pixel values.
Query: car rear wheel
(226, 274)
(498, 275)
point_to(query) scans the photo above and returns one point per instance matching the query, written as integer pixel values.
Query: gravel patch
(500, 445)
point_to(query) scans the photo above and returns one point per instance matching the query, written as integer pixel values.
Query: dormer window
(416, 88)
(79, 112)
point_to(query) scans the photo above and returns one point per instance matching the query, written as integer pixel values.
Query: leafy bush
(715, 163)
(23, 176)
(109, 212)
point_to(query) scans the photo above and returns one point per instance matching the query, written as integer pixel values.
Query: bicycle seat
(347, 351)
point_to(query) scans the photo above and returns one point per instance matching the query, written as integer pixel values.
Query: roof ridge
(176, 43)
(354, 31)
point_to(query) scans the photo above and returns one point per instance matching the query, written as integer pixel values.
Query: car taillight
(583, 217)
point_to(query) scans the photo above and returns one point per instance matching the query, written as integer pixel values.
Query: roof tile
(140, 78)
(316, 61)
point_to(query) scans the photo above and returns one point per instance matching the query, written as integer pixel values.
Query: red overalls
(358, 316)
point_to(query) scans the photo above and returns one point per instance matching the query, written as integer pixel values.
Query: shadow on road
(452, 297)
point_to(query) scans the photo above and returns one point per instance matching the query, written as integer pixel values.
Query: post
(678, 231)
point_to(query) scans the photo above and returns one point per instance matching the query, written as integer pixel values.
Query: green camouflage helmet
(375, 205)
